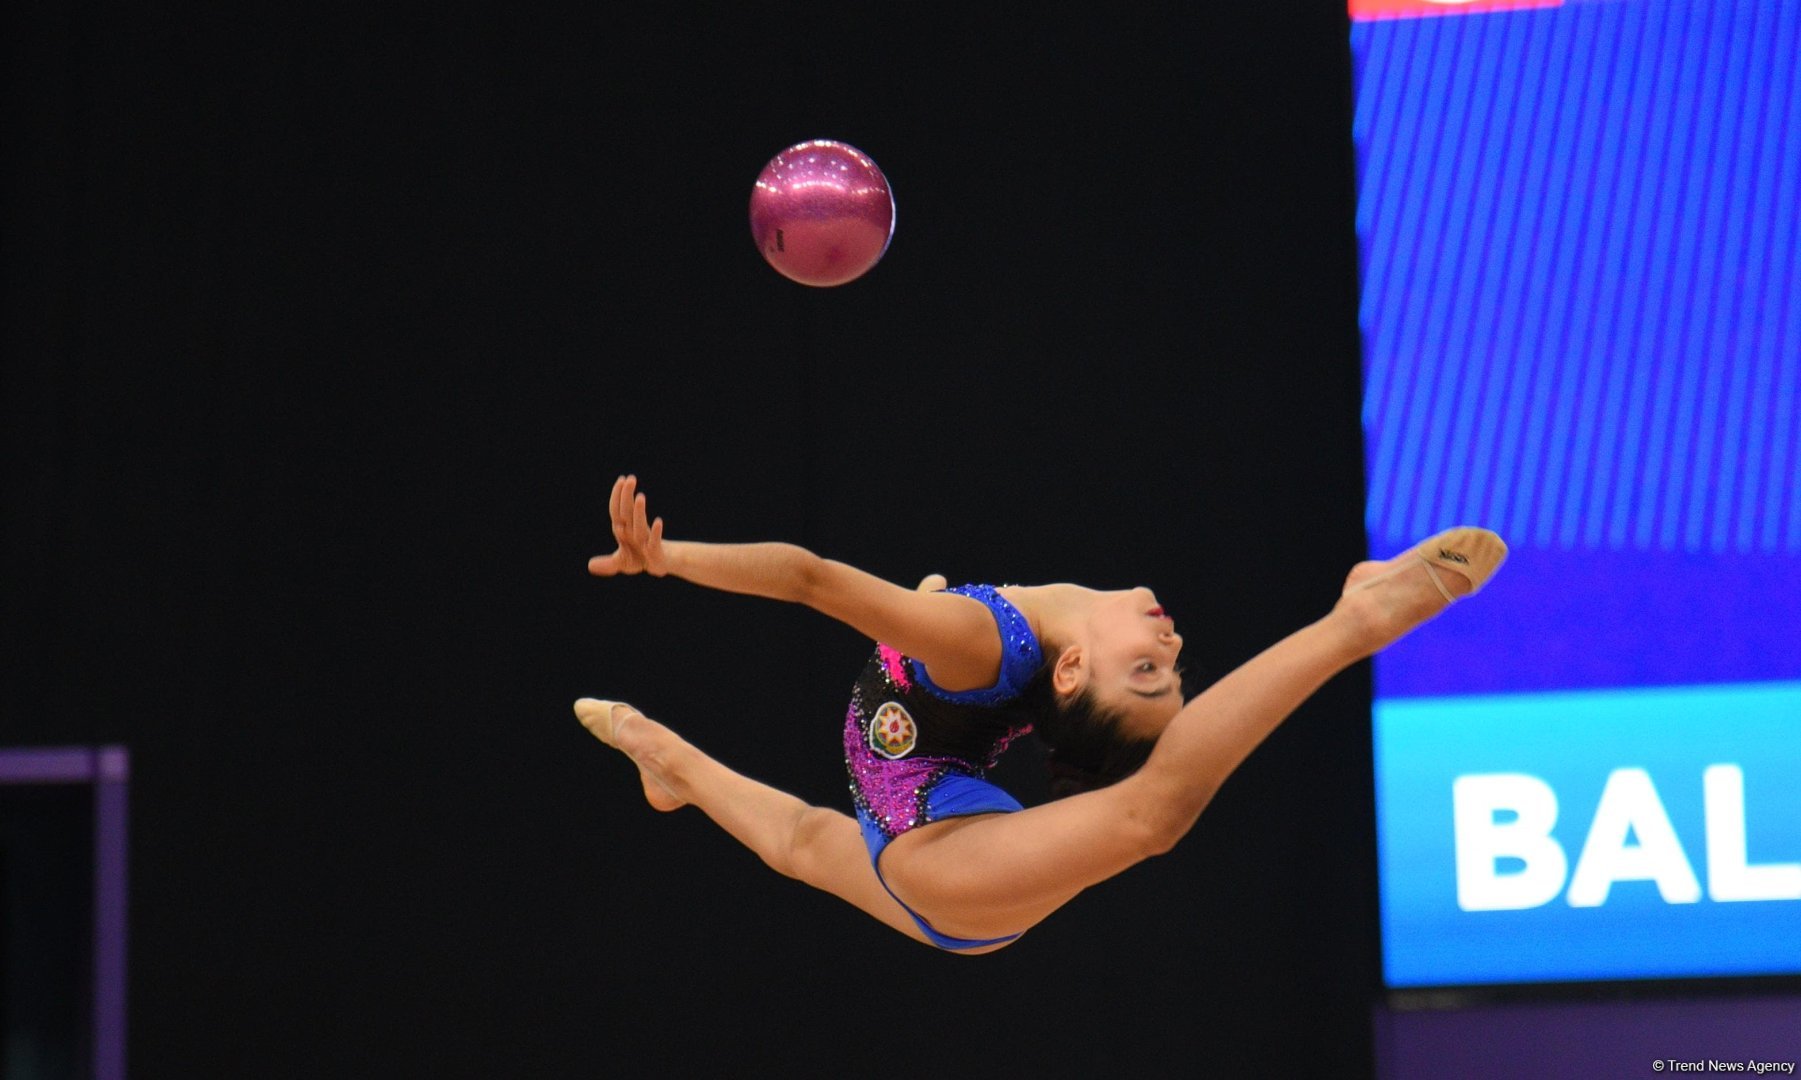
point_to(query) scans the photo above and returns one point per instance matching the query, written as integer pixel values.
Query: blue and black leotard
(918, 754)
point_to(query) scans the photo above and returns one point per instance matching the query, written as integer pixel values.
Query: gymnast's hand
(640, 539)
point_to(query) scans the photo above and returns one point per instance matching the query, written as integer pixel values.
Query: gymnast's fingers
(620, 508)
(640, 527)
(653, 555)
(622, 536)
(616, 510)
(628, 559)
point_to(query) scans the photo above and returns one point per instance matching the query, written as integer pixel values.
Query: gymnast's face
(1132, 649)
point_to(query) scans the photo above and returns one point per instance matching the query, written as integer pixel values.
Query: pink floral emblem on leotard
(896, 666)
(892, 733)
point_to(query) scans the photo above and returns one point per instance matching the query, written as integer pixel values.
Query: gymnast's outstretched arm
(954, 636)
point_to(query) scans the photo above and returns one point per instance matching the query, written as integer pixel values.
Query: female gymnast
(935, 850)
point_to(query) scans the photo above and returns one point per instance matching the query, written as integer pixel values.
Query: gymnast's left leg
(812, 844)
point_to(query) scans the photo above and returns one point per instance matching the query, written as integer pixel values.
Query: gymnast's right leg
(813, 844)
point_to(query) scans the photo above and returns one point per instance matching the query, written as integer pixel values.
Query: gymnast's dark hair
(1086, 741)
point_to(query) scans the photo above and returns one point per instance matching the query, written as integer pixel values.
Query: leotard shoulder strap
(1021, 655)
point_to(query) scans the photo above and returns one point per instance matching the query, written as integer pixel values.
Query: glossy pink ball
(821, 213)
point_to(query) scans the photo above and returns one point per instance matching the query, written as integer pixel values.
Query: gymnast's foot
(638, 737)
(1385, 600)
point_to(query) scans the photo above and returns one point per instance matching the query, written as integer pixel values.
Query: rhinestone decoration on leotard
(894, 793)
(1000, 747)
(1020, 652)
(896, 664)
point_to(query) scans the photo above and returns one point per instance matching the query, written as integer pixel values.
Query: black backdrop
(325, 334)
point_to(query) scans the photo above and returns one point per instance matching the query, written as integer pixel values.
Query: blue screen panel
(1581, 240)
